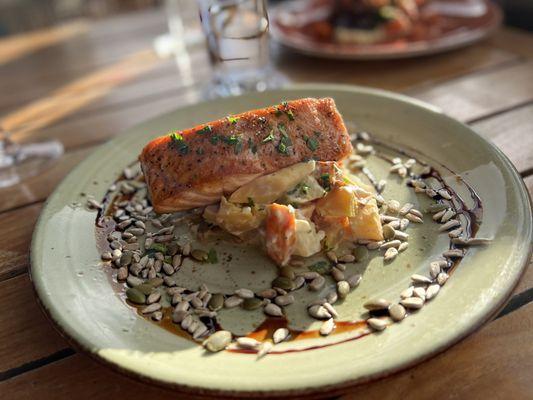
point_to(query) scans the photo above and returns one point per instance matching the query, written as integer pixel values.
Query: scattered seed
(106, 256)
(233, 301)
(268, 293)
(273, 310)
(471, 241)
(186, 250)
(414, 303)
(343, 288)
(317, 283)
(390, 254)
(153, 297)
(330, 309)
(284, 300)
(287, 272)
(403, 247)
(449, 225)
(157, 316)
(182, 306)
(406, 208)
(199, 255)
(377, 324)
(438, 216)
(434, 269)
(133, 281)
(187, 322)
(401, 235)
(280, 335)
(456, 232)
(420, 292)
(218, 341)
(332, 256)
(122, 274)
(436, 207)
(377, 304)
(388, 232)
(393, 207)
(282, 283)
(169, 269)
(244, 293)
(151, 308)
(442, 278)
(135, 296)
(354, 280)
(196, 302)
(453, 253)
(416, 213)
(332, 297)
(413, 218)
(373, 245)
(200, 331)
(444, 194)
(264, 348)
(176, 261)
(337, 274)
(381, 185)
(432, 291)
(397, 312)
(448, 215)
(318, 312)
(252, 304)
(404, 223)
(385, 219)
(431, 192)
(394, 224)
(388, 245)
(93, 204)
(327, 327)
(417, 278)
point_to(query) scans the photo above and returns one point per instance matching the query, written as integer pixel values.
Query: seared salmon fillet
(197, 166)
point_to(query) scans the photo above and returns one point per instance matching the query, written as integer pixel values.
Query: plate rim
(312, 391)
(443, 44)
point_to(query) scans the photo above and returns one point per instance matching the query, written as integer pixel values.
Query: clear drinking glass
(237, 39)
(20, 161)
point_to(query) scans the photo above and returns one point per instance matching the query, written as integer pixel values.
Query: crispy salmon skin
(196, 167)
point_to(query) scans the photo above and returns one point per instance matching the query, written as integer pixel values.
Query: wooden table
(95, 79)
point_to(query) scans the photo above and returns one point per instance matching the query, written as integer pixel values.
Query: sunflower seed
(327, 327)
(176, 261)
(442, 278)
(169, 281)
(414, 303)
(444, 194)
(273, 310)
(268, 293)
(390, 254)
(403, 247)
(449, 225)
(264, 348)
(471, 241)
(330, 309)
(332, 297)
(93, 204)
(456, 232)
(432, 291)
(332, 256)
(410, 163)
(182, 306)
(343, 288)
(317, 283)
(438, 216)
(200, 331)
(280, 335)
(377, 304)
(186, 322)
(133, 281)
(385, 219)
(374, 245)
(354, 280)
(420, 292)
(347, 258)
(318, 312)
(153, 297)
(337, 274)
(453, 253)
(377, 324)
(394, 224)
(157, 316)
(396, 160)
(406, 208)
(381, 185)
(393, 207)
(341, 267)
(115, 245)
(106, 256)
(434, 269)
(186, 250)
(401, 235)
(436, 207)
(247, 343)
(388, 245)
(122, 274)
(397, 312)
(417, 278)
(448, 215)
(244, 293)
(169, 269)
(233, 301)
(196, 302)
(388, 232)
(175, 290)
(418, 184)
(151, 308)
(284, 300)
(404, 223)
(413, 218)
(217, 341)
(431, 192)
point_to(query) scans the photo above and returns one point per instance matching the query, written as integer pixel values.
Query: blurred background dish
(382, 29)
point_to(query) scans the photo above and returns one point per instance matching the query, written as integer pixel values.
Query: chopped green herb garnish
(321, 267)
(205, 129)
(233, 120)
(159, 247)
(251, 202)
(231, 140)
(168, 260)
(282, 148)
(312, 143)
(304, 188)
(270, 137)
(212, 257)
(282, 129)
(325, 181)
(179, 143)
(290, 115)
(278, 113)
(214, 139)
(285, 141)
(284, 103)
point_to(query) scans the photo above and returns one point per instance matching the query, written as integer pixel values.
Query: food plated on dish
(153, 294)
(286, 181)
(382, 28)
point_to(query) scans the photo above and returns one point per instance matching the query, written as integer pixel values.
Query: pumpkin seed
(397, 312)
(388, 232)
(135, 296)
(327, 327)
(377, 304)
(317, 283)
(273, 310)
(145, 288)
(133, 281)
(199, 255)
(280, 335)
(360, 253)
(216, 302)
(287, 272)
(282, 282)
(343, 288)
(414, 303)
(377, 324)
(217, 341)
(252, 304)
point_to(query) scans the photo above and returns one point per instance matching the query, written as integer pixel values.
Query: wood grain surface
(88, 81)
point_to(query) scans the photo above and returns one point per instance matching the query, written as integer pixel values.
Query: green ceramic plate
(79, 298)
